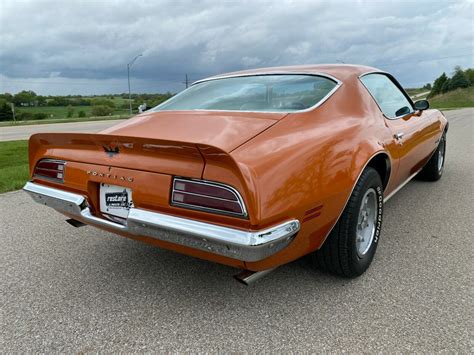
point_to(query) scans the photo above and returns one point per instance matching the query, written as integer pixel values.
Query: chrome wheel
(441, 150)
(366, 222)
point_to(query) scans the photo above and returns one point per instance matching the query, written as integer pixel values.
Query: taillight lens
(50, 169)
(207, 196)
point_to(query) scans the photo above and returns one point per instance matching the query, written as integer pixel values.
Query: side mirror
(421, 105)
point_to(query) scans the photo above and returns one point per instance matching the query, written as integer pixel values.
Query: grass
(454, 99)
(13, 165)
(62, 120)
(61, 111)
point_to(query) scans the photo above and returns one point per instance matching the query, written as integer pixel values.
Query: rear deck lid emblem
(111, 150)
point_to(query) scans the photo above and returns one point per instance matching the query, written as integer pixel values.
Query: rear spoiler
(155, 155)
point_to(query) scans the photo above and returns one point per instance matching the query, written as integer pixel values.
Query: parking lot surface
(64, 289)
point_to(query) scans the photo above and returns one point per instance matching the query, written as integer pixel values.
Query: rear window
(271, 93)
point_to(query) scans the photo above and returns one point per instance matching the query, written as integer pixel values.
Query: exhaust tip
(75, 223)
(248, 277)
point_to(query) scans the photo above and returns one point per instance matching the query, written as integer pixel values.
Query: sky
(83, 47)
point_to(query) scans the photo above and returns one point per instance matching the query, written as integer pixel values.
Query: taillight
(50, 169)
(207, 196)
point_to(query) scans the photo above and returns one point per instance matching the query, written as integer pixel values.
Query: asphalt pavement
(64, 289)
(12, 133)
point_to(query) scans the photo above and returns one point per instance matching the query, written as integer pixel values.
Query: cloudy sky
(83, 47)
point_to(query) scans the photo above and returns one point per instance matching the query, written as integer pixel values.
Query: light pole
(129, 65)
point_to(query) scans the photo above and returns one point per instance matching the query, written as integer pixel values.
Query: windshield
(270, 93)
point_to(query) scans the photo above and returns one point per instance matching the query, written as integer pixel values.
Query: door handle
(398, 136)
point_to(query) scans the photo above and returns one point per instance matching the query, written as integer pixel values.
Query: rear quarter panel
(306, 166)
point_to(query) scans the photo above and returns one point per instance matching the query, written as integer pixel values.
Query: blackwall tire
(347, 251)
(433, 170)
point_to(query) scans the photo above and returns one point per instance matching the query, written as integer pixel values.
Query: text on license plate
(115, 200)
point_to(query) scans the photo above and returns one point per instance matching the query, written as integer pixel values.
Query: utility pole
(129, 65)
(13, 111)
(186, 81)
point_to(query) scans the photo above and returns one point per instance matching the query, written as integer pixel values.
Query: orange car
(251, 169)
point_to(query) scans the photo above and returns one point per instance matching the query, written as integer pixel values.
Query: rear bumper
(238, 244)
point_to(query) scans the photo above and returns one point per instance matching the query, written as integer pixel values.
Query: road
(83, 290)
(421, 94)
(12, 133)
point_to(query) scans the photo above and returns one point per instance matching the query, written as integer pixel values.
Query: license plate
(115, 200)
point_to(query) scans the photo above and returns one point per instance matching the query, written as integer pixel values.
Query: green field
(454, 99)
(61, 120)
(13, 165)
(60, 112)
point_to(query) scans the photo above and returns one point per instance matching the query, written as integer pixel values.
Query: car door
(412, 131)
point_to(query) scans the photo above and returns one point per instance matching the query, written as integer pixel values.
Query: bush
(24, 116)
(81, 114)
(6, 113)
(70, 111)
(40, 116)
(102, 102)
(101, 110)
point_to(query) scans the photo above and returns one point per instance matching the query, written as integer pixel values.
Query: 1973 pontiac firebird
(251, 169)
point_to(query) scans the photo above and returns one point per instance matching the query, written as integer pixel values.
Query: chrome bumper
(234, 243)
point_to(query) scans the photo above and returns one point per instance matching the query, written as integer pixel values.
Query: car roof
(339, 71)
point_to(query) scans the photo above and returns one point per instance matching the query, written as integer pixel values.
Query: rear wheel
(350, 247)
(433, 170)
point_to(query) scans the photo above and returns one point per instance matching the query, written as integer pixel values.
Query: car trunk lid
(225, 130)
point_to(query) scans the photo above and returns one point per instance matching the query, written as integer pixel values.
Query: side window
(390, 99)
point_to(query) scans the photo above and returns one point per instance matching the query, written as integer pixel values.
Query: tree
(427, 86)
(25, 98)
(470, 75)
(7, 97)
(459, 79)
(438, 84)
(446, 86)
(6, 113)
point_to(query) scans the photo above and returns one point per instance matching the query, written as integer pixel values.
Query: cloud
(65, 47)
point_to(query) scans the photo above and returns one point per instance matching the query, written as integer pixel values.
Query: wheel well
(381, 163)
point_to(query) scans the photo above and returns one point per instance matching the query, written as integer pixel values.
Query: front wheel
(350, 247)
(433, 170)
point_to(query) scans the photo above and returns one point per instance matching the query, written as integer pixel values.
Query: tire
(433, 170)
(343, 253)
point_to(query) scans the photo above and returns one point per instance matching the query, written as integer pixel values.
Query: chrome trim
(229, 188)
(397, 84)
(237, 75)
(245, 245)
(54, 198)
(400, 186)
(319, 103)
(248, 277)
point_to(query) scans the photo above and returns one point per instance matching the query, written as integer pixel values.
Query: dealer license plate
(115, 200)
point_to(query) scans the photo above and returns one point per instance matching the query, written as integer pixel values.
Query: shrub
(70, 111)
(81, 114)
(6, 113)
(102, 102)
(24, 116)
(40, 116)
(101, 110)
